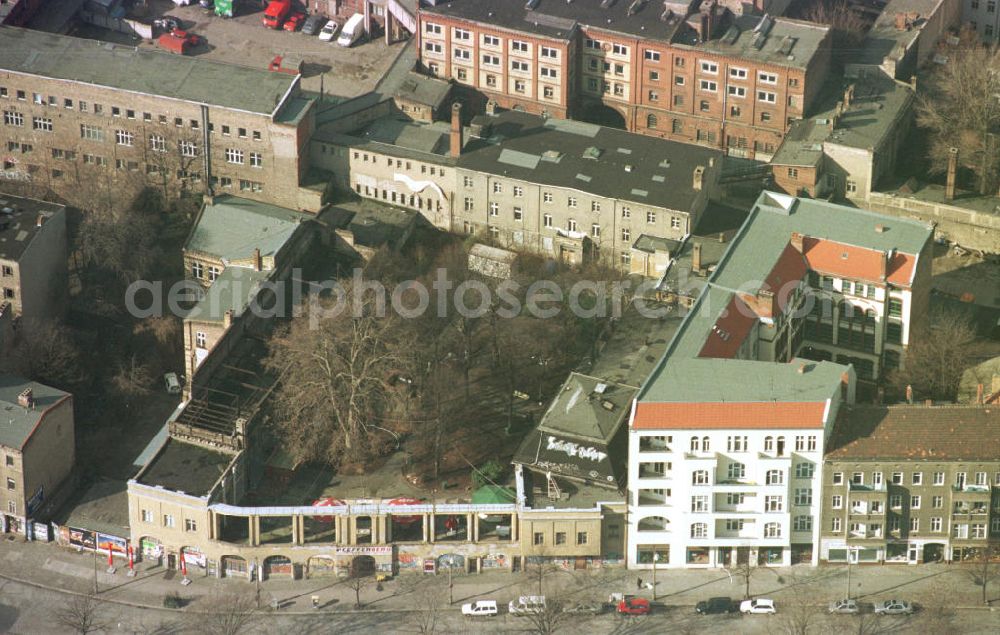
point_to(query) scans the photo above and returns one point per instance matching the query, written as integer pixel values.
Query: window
(803, 496)
(256, 160)
(190, 524)
(619, 49)
(560, 537)
(432, 47)
(595, 230)
(914, 524)
(200, 340)
(704, 105)
(12, 118)
(625, 258)
(917, 478)
(774, 477)
(737, 91)
(124, 137)
(626, 234)
(146, 516)
(772, 530)
(582, 537)
(518, 190)
(877, 478)
(188, 148)
(709, 67)
(234, 156)
(699, 477)
(708, 86)
(494, 209)
(519, 46)
(497, 188)
(737, 470)
(939, 478)
(650, 217)
(804, 470)
(549, 52)
(678, 101)
(897, 478)
(736, 444)
(547, 220)
(518, 214)
(462, 54)
(734, 498)
(733, 524)
(157, 143)
(432, 28)
(168, 520)
(773, 503)
(895, 501)
(981, 478)
(699, 530)
(937, 502)
(894, 333)
(213, 271)
(699, 503)
(895, 307)
(936, 524)
(538, 538)
(11, 484)
(835, 524)
(837, 502)
(802, 523)
(767, 78)
(652, 56)
(571, 201)
(571, 225)
(767, 96)
(41, 123)
(197, 270)
(595, 206)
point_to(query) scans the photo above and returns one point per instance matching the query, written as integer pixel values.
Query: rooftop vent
(665, 163)
(786, 45)
(584, 178)
(600, 388)
(592, 153)
(607, 405)
(628, 167)
(880, 228)
(26, 399)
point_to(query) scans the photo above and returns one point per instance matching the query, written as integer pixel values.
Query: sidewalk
(57, 568)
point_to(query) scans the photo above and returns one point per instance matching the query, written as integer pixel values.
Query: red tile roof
(729, 330)
(749, 415)
(791, 266)
(857, 263)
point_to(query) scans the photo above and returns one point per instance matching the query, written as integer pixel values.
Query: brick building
(33, 257)
(911, 484)
(37, 445)
(85, 120)
(714, 73)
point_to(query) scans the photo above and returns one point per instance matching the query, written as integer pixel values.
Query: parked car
(893, 607)
(207, 4)
(172, 383)
(633, 606)
(760, 606)
(713, 606)
(328, 31)
(167, 23)
(294, 21)
(844, 606)
(353, 30)
(480, 608)
(313, 24)
(527, 604)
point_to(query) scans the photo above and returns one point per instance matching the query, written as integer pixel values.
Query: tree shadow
(312, 69)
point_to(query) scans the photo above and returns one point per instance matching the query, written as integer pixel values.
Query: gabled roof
(859, 263)
(729, 331)
(956, 433)
(753, 415)
(18, 423)
(588, 408)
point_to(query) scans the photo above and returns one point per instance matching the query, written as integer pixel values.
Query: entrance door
(581, 563)
(911, 554)
(171, 561)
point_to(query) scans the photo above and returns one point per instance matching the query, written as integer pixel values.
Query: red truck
(178, 41)
(276, 13)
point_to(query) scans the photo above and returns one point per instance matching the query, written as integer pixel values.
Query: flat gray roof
(184, 467)
(230, 228)
(19, 223)
(143, 71)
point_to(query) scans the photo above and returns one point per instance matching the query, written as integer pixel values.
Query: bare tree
(358, 583)
(82, 615)
(959, 109)
(45, 351)
(748, 570)
(863, 623)
(848, 26)
(231, 613)
(333, 395)
(797, 615)
(985, 569)
(547, 619)
(938, 353)
(133, 378)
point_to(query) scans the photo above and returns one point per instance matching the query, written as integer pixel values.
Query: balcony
(861, 487)
(654, 444)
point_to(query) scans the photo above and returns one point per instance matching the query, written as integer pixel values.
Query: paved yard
(243, 40)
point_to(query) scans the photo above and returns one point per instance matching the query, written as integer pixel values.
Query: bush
(487, 474)
(173, 601)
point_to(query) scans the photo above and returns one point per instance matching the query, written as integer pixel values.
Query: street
(947, 600)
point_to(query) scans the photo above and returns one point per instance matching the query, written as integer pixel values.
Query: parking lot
(342, 72)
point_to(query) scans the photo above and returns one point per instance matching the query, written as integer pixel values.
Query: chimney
(722, 237)
(979, 394)
(848, 96)
(879, 228)
(711, 162)
(928, 402)
(913, 82)
(884, 265)
(26, 399)
(456, 130)
(900, 21)
(491, 108)
(797, 241)
(258, 262)
(909, 394)
(40, 220)
(802, 369)
(949, 188)
(696, 257)
(227, 319)
(699, 177)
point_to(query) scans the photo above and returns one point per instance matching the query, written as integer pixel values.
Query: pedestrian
(315, 601)
(638, 584)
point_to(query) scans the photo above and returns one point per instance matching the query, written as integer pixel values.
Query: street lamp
(850, 550)
(656, 557)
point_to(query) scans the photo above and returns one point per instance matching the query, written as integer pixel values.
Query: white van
(172, 383)
(527, 604)
(352, 31)
(480, 608)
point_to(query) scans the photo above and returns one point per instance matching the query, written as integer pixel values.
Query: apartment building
(721, 74)
(236, 246)
(568, 189)
(37, 445)
(728, 432)
(86, 120)
(982, 17)
(33, 257)
(911, 484)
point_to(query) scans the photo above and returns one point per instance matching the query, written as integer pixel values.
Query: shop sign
(364, 551)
